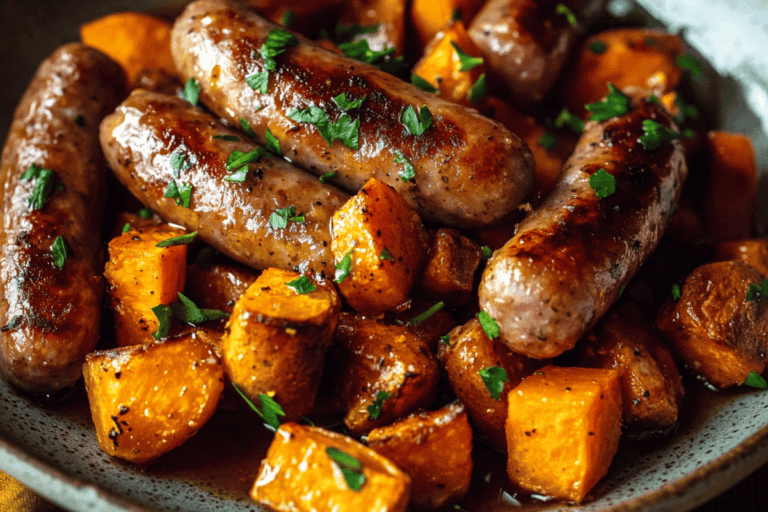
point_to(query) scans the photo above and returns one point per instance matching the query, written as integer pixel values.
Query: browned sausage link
(140, 141)
(570, 258)
(50, 316)
(525, 44)
(470, 171)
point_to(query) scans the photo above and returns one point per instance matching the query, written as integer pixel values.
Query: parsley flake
(327, 176)
(689, 133)
(689, 63)
(181, 192)
(416, 124)
(597, 47)
(347, 105)
(228, 138)
(676, 292)
(60, 251)
(127, 227)
(383, 59)
(270, 410)
(563, 10)
(187, 312)
(350, 468)
(312, 114)
(276, 43)
(603, 183)
(239, 176)
(386, 255)
(548, 140)
(756, 381)
(280, 218)
(446, 339)
(478, 91)
(288, 19)
(44, 181)
(164, 316)
(422, 84)
(494, 378)
(343, 268)
(302, 285)
(656, 135)
(757, 291)
(237, 159)
(179, 163)
(375, 410)
(616, 104)
(246, 127)
(466, 61)
(487, 252)
(145, 213)
(489, 325)
(178, 240)
(273, 145)
(456, 16)
(344, 129)
(192, 91)
(258, 81)
(425, 315)
(565, 118)
(409, 172)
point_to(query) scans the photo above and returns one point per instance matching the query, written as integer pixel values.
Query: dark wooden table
(751, 495)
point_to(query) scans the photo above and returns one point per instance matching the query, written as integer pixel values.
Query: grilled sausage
(524, 43)
(50, 315)
(570, 258)
(151, 131)
(470, 171)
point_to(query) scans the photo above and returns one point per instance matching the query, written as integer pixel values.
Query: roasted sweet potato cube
(604, 59)
(386, 244)
(441, 64)
(470, 351)
(450, 271)
(431, 16)
(563, 430)
(140, 276)
(374, 359)
(651, 386)
(714, 328)
(276, 339)
(435, 449)
(146, 400)
(219, 285)
(389, 15)
(752, 252)
(306, 469)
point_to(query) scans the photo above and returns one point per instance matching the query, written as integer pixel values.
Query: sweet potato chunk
(134, 40)
(147, 400)
(441, 65)
(469, 352)
(299, 474)
(604, 59)
(731, 194)
(389, 15)
(431, 16)
(219, 285)
(651, 387)
(387, 245)
(752, 252)
(563, 430)
(714, 328)
(435, 449)
(373, 359)
(276, 339)
(140, 276)
(450, 271)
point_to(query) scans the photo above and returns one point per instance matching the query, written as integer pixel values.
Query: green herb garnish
(237, 159)
(179, 163)
(548, 140)
(239, 176)
(60, 251)
(228, 138)
(273, 145)
(344, 129)
(689, 63)
(327, 176)
(246, 127)
(302, 285)
(343, 268)
(494, 378)
(375, 410)
(446, 339)
(145, 213)
(416, 124)
(44, 181)
(656, 135)
(127, 227)
(603, 183)
(350, 468)
(408, 173)
(422, 84)
(616, 104)
(478, 91)
(563, 10)
(676, 292)
(426, 314)
(597, 47)
(187, 312)
(288, 19)
(178, 240)
(347, 105)
(276, 43)
(756, 381)
(489, 325)
(280, 218)
(270, 410)
(258, 81)
(386, 255)
(574, 122)
(181, 192)
(164, 316)
(757, 291)
(466, 61)
(192, 91)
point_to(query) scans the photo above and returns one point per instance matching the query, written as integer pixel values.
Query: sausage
(571, 258)
(525, 44)
(49, 315)
(470, 170)
(145, 134)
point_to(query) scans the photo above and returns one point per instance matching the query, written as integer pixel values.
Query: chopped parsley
(44, 181)
(597, 47)
(466, 61)
(456, 16)
(60, 251)
(755, 381)
(280, 218)
(179, 163)
(656, 135)
(187, 312)
(246, 127)
(425, 315)
(302, 285)
(288, 19)
(258, 81)
(422, 84)
(487, 252)
(127, 227)
(164, 315)
(192, 91)
(228, 138)
(375, 410)
(689, 63)
(757, 291)
(382, 59)
(386, 255)
(565, 118)
(408, 173)
(446, 339)
(548, 140)
(687, 111)
(689, 133)
(276, 43)
(563, 10)
(312, 114)
(237, 159)
(343, 268)
(347, 105)
(239, 176)
(416, 124)
(327, 176)
(350, 468)
(344, 129)
(616, 104)
(273, 145)
(478, 91)
(181, 192)
(178, 240)
(676, 292)
(494, 378)
(270, 410)
(145, 213)
(489, 325)
(603, 183)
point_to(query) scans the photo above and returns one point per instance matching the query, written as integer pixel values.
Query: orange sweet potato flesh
(633, 57)
(470, 351)
(450, 271)
(435, 449)
(134, 40)
(563, 430)
(752, 252)
(298, 475)
(731, 194)
(389, 15)
(431, 16)
(141, 276)
(651, 387)
(373, 357)
(147, 400)
(441, 66)
(713, 328)
(375, 219)
(276, 339)
(219, 285)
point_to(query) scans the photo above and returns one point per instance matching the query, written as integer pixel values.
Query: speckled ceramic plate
(723, 438)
